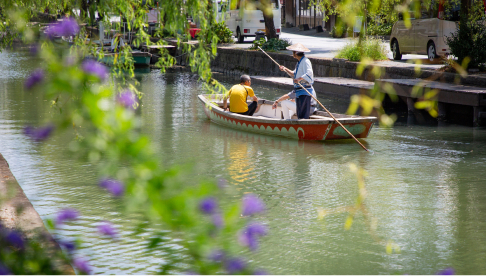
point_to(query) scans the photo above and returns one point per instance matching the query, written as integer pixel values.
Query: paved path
(322, 46)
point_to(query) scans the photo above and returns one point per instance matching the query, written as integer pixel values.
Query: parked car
(245, 20)
(426, 36)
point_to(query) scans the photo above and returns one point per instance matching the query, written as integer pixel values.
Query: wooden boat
(139, 58)
(269, 121)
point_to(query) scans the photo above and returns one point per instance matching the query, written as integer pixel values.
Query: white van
(246, 21)
(426, 36)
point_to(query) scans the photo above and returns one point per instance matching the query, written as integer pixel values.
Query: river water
(425, 185)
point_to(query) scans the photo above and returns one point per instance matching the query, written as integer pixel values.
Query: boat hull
(308, 129)
(142, 60)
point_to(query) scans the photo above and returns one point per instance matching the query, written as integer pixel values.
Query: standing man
(304, 75)
(238, 94)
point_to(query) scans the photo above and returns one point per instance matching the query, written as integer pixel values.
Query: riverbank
(17, 212)
(238, 60)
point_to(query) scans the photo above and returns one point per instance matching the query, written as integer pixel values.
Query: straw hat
(298, 48)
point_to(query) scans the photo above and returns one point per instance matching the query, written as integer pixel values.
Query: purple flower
(34, 49)
(127, 98)
(252, 205)
(68, 245)
(260, 272)
(67, 27)
(95, 68)
(15, 239)
(107, 229)
(4, 270)
(34, 78)
(235, 265)
(113, 186)
(249, 236)
(82, 265)
(447, 271)
(208, 205)
(217, 220)
(39, 134)
(217, 256)
(65, 215)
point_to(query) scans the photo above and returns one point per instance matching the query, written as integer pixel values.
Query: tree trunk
(84, 9)
(465, 5)
(266, 7)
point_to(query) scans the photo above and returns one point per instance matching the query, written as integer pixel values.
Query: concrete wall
(27, 220)
(237, 61)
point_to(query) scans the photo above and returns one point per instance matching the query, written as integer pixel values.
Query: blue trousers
(303, 103)
(251, 109)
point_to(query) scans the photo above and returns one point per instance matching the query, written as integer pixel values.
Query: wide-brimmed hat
(298, 48)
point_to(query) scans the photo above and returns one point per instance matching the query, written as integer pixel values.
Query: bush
(370, 48)
(224, 33)
(469, 41)
(383, 29)
(272, 45)
(339, 31)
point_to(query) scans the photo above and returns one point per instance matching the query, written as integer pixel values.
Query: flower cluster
(12, 238)
(82, 265)
(66, 27)
(252, 205)
(65, 215)
(39, 134)
(115, 187)
(95, 68)
(36, 77)
(210, 207)
(127, 99)
(107, 229)
(232, 265)
(249, 236)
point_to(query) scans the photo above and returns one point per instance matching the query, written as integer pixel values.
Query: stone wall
(238, 61)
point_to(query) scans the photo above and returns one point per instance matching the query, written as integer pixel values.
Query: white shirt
(304, 71)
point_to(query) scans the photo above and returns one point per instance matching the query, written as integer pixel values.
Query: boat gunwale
(315, 121)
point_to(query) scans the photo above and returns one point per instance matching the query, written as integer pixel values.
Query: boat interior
(265, 110)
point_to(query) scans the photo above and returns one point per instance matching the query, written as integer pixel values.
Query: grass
(370, 48)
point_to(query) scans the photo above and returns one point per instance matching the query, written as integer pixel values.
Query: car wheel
(396, 50)
(431, 53)
(239, 36)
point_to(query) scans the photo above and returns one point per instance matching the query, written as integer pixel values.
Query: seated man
(238, 94)
(289, 107)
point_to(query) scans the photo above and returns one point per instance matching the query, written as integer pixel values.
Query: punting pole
(319, 103)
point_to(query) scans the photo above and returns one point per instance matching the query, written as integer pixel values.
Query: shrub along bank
(368, 48)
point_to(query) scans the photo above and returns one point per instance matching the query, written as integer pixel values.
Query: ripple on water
(424, 189)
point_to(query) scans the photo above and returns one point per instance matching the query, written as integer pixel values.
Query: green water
(425, 185)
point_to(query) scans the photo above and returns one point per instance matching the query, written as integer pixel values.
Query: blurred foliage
(370, 48)
(360, 208)
(30, 256)
(340, 30)
(383, 29)
(271, 45)
(84, 97)
(223, 33)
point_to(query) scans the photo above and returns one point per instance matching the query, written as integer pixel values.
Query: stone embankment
(237, 61)
(16, 212)
(338, 78)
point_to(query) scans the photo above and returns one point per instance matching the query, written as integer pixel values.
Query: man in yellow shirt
(238, 94)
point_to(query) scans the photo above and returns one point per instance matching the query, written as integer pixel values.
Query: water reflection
(425, 184)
